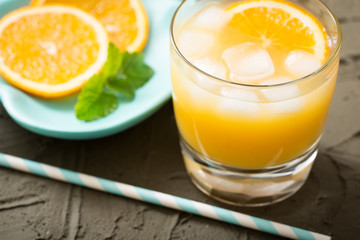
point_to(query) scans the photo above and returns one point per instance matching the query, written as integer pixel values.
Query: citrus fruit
(51, 51)
(125, 20)
(280, 24)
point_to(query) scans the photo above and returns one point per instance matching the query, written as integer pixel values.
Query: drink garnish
(122, 74)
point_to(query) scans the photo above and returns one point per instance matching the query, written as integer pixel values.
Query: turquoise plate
(56, 118)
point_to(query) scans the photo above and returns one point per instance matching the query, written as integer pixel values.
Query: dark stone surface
(148, 155)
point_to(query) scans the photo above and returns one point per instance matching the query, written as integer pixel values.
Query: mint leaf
(122, 86)
(122, 74)
(93, 103)
(132, 74)
(135, 69)
(113, 63)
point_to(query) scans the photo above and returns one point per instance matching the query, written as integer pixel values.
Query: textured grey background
(148, 156)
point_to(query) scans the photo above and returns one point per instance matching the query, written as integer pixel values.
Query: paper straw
(158, 198)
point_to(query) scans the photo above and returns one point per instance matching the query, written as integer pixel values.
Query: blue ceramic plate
(56, 118)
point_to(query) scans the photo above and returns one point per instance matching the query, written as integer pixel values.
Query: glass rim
(329, 61)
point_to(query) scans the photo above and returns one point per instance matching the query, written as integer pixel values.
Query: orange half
(125, 20)
(51, 51)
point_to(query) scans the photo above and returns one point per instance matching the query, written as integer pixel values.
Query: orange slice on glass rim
(280, 24)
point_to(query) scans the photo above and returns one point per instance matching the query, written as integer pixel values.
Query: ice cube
(278, 93)
(277, 80)
(301, 63)
(212, 18)
(211, 66)
(287, 106)
(233, 92)
(248, 62)
(199, 94)
(233, 106)
(195, 43)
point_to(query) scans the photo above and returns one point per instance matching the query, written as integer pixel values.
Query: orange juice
(249, 89)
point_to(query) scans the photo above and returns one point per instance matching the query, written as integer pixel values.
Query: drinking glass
(241, 150)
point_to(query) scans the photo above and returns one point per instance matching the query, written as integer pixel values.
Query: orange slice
(280, 24)
(51, 51)
(125, 20)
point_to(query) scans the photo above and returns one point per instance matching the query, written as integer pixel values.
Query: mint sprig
(122, 74)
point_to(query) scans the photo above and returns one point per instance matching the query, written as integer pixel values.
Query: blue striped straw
(157, 198)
